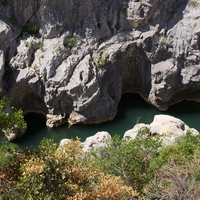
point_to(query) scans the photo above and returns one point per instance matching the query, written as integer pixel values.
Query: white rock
(170, 128)
(2, 63)
(98, 140)
(63, 143)
(132, 133)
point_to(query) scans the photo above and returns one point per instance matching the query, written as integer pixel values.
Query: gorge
(71, 61)
(132, 110)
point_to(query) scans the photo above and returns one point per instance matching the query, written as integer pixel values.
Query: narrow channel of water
(132, 109)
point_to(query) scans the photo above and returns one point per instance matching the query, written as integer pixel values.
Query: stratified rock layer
(72, 60)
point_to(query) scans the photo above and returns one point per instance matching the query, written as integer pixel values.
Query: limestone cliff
(72, 60)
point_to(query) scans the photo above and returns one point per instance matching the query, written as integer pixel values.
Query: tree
(12, 122)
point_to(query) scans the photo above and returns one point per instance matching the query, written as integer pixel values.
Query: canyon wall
(72, 60)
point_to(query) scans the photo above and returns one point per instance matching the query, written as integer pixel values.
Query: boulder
(170, 128)
(132, 133)
(100, 139)
(63, 143)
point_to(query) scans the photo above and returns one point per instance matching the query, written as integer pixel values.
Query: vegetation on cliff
(11, 119)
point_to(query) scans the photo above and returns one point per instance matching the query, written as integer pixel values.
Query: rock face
(168, 127)
(72, 60)
(2, 63)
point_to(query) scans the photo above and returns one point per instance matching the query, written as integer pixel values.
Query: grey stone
(2, 63)
(100, 139)
(132, 133)
(170, 128)
(87, 54)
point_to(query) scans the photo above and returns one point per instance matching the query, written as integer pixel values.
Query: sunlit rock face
(72, 60)
(169, 128)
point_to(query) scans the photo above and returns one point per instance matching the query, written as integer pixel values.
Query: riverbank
(132, 109)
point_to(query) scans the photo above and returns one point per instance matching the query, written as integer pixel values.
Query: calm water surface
(132, 109)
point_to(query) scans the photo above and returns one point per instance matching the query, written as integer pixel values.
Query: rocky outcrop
(100, 139)
(168, 127)
(2, 63)
(72, 60)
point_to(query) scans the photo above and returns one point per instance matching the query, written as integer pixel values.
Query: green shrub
(182, 151)
(28, 30)
(111, 172)
(54, 174)
(41, 46)
(129, 159)
(13, 121)
(100, 60)
(178, 170)
(11, 158)
(12, 20)
(71, 41)
(58, 49)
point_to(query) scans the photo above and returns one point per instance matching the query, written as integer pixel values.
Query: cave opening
(35, 121)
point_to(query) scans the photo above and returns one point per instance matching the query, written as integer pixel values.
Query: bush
(129, 159)
(29, 30)
(100, 60)
(11, 157)
(178, 175)
(71, 41)
(108, 173)
(12, 121)
(54, 174)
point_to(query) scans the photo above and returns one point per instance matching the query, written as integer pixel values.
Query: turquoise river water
(132, 109)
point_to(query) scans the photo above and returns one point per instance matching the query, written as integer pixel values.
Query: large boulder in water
(168, 127)
(100, 139)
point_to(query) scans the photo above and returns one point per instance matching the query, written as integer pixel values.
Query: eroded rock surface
(72, 60)
(168, 127)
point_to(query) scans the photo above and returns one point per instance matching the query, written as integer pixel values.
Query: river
(132, 109)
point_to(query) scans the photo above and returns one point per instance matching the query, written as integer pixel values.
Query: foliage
(41, 46)
(28, 30)
(12, 120)
(182, 152)
(70, 41)
(193, 3)
(12, 20)
(178, 176)
(58, 49)
(130, 159)
(64, 174)
(100, 60)
(11, 158)
(107, 173)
